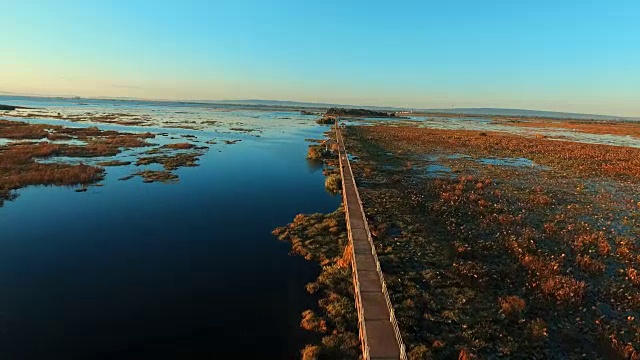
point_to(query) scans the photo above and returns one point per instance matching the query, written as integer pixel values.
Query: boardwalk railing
(344, 163)
(356, 284)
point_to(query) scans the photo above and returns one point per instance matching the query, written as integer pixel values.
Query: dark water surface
(163, 271)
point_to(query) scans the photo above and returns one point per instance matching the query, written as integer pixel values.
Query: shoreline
(322, 238)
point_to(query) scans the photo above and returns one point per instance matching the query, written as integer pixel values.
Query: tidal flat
(509, 258)
(30, 153)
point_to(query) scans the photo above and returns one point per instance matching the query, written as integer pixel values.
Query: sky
(562, 55)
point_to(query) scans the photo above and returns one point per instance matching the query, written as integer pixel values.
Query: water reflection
(188, 270)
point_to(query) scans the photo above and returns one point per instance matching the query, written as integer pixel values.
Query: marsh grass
(19, 168)
(322, 238)
(512, 306)
(172, 162)
(21, 130)
(562, 239)
(150, 176)
(19, 164)
(113, 163)
(595, 160)
(179, 146)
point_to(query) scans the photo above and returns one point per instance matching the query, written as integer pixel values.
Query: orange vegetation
(592, 127)
(20, 130)
(456, 248)
(19, 169)
(322, 238)
(584, 159)
(179, 146)
(511, 305)
(18, 160)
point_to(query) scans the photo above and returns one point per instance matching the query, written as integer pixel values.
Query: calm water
(166, 271)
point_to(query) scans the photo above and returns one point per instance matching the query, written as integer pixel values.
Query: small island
(334, 112)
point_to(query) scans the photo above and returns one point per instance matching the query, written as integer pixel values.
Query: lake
(131, 270)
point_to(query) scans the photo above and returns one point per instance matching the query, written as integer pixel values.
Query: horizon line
(204, 101)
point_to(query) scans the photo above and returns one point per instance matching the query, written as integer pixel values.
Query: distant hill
(295, 104)
(470, 111)
(284, 104)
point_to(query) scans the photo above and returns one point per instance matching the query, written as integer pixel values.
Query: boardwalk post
(379, 333)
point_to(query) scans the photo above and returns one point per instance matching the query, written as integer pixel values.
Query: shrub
(564, 288)
(315, 153)
(586, 263)
(311, 322)
(419, 352)
(311, 352)
(511, 305)
(326, 120)
(465, 355)
(538, 329)
(333, 183)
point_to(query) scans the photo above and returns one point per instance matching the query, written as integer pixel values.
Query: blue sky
(580, 56)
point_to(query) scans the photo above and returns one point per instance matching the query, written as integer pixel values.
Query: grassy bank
(322, 238)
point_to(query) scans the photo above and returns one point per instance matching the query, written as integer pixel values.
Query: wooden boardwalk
(379, 333)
